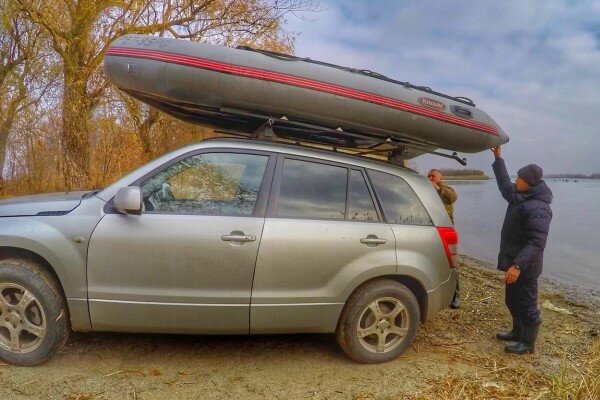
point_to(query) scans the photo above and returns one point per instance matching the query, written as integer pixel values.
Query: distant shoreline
(467, 178)
(572, 176)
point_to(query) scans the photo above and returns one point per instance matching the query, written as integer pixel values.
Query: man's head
(435, 176)
(528, 176)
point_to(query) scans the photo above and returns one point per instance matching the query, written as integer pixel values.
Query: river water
(572, 253)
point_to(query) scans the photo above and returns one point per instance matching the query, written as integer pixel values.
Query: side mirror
(128, 200)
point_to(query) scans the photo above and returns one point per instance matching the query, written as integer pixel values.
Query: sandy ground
(454, 356)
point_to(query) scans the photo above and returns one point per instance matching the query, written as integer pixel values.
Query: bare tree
(19, 59)
(80, 31)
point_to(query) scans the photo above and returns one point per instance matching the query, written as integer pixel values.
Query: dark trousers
(457, 289)
(521, 300)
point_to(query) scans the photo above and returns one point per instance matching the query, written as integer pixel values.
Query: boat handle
(461, 112)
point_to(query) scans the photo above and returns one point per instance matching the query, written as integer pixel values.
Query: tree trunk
(76, 111)
(143, 129)
(3, 143)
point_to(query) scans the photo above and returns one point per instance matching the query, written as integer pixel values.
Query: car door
(323, 234)
(186, 263)
(419, 249)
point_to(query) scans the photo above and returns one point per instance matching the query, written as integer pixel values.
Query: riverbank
(454, 357)
(467, 178)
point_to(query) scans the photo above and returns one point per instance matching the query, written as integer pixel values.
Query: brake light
(450, 241)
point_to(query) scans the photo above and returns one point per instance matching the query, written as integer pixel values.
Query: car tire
(379, 321)
(34, 320)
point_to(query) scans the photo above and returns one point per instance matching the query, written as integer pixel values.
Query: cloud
(533, 66)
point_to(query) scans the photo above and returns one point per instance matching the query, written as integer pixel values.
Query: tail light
(450, 241)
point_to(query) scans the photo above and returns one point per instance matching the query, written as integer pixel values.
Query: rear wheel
(33, 314)
(379, 322)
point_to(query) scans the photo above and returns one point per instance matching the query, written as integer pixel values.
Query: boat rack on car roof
(281, 129)
(247, 124)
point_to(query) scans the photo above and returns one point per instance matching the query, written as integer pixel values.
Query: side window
(400, 203)
(312, 190)
(360, 202)
(210, 183)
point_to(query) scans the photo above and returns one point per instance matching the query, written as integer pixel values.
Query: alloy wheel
(383, 325)
(22, 319)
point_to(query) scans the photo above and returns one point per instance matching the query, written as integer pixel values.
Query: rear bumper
(440, 297)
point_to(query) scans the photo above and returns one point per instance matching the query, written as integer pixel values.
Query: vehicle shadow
(119, 349)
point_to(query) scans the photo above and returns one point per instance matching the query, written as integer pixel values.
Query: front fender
(61, 240)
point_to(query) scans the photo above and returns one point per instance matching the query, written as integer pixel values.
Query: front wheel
(33, 315)
(378, 322)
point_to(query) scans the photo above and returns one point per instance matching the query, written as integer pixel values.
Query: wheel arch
(8, 252)
(416, 287)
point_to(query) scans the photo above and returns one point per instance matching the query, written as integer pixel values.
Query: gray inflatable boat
(240, 90)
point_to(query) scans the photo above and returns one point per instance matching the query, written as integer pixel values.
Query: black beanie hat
(532, 174)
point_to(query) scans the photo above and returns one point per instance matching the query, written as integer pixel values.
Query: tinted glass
(311, 190)
(400, 204)
(360, 202)
(214, 183)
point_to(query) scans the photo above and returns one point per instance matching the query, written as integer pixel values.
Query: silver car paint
(307, 266)
(63, 242)
(178, 261)
(33, 204)
(128, 200)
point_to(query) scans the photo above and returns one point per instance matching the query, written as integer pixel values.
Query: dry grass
(483, 371)
(579, 380)
(489, 377)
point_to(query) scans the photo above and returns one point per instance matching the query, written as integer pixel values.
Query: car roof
(306, 150)
(266, 146)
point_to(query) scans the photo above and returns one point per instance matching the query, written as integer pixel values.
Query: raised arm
(507, 188)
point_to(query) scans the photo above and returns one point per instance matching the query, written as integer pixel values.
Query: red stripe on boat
(299, 82)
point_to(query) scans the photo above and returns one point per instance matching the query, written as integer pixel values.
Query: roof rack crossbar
(396, 149)
(265, 131)
(337, 132)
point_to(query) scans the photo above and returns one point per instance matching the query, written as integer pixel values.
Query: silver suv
(230, 236)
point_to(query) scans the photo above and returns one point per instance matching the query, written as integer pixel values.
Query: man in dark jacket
(522, 244)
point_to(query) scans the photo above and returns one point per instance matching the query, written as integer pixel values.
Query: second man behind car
(448, 196)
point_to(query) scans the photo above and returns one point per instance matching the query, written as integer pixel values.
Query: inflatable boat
(239, 90)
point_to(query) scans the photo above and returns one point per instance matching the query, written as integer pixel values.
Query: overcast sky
(534, 66)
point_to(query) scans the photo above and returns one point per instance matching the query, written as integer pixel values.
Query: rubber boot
(514, 335)
(527, 344)
(456, 299)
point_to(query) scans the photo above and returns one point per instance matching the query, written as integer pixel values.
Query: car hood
(41, 204)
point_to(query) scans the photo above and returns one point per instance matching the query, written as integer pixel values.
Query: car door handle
(372, 240)
(238, 238)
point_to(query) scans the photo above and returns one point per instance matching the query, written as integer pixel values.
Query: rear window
(360, 202)
(399, 202)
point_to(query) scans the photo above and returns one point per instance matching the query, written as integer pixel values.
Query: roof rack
(395, 151)
(246, 124)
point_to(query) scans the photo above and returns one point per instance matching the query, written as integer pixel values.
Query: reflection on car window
(212, 183)
(360, 202)
(400, 204)
(311, 190)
